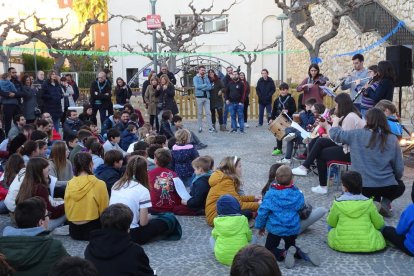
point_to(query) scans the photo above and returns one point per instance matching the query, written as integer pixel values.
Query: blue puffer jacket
(127, 138)
(279, 211)
(182, 156)
(52, 96)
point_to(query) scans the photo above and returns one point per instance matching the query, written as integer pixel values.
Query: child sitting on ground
(390, 111)
(279, 215)
(177, 124)
(227, 180)
(114, 137)
(128, 136)
(285, 103)
(199, 185)
(164, 197)
(231, 230)
(403, 236)
(293, 135)
(354, 219)
(165, 126)
(183, 153)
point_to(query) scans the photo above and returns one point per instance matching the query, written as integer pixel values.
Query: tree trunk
(5, 61)
(249, 72)
(172, 64)
(59, 61)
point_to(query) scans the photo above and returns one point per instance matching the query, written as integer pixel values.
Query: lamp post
(282, 17)
(34, 40)
(154, 37)
(279, 56)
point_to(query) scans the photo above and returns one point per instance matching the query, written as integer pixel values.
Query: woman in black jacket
(246, 97)
(166, 95)
(385, 89)
(122, 91)
(52, 95)
(216, 99)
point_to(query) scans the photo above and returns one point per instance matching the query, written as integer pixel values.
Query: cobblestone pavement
(192, 254)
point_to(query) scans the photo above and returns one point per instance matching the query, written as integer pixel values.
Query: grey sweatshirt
(378, 169)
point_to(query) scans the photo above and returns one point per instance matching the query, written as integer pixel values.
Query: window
(219, 24)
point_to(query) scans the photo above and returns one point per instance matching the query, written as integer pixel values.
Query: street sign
(153, 21)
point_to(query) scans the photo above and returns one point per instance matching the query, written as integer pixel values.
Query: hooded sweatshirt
(221, 184)
(109, 175)
(231, 233)
(114, 253)
(86, 198)
(30, 250)
(356, 223)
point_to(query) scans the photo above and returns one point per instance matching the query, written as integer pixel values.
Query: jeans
(203, 103)
(219, 115)
(245, 110)
(289, 144)
(102, 112)
(55, 223)
(225, 114)
(9, 111)
(391, 235)
(314, 216)
(154, 118)
(236, 109)
(261, 112)
(3, 208)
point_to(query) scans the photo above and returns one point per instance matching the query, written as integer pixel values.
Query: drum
(278, 126)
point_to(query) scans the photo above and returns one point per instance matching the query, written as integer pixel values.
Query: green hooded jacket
(231, 233)
(31, 255)
(356, 224)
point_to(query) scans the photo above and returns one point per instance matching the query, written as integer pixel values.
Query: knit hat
(228, 205)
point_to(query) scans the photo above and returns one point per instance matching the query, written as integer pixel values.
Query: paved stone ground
(192, 254)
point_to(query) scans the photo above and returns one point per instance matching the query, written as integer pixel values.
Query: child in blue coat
(278, 214)
(402, 236)
(128, 136)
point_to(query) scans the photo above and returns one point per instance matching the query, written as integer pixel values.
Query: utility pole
(154, 38)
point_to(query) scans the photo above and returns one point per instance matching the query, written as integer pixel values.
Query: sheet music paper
(303, 132)
(53, 181)
(328, 91)
(180, 188)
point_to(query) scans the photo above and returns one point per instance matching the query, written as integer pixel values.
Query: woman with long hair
(386, 79)
(29, 99)
(246, 92)
(52, 98)
(36, 183)
(227, 180)
(122, 91)
(216, 99)
(376, 155)
(325, 150)
(14, 164)
(133, 190)
(146, 83)
(97, 151)
(29, 150)
(370, 87)
(86, 198)
(166, 95)
(152, 101)
(59, 164)
(310, 86)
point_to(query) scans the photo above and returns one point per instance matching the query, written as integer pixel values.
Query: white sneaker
(284, 161)
(320, 190)
(300, 171)
(289, 137)
(246, 125)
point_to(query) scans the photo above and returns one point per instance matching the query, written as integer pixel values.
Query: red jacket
(164, 197)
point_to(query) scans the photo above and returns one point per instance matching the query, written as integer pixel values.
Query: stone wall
(349, 39)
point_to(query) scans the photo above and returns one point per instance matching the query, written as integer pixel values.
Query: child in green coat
(231, 230)
(354, 219)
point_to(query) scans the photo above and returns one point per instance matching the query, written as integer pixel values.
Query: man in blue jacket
(202, 87)
(265, 89)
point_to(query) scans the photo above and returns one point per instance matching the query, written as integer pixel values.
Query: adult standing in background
(246, 98)
(100, 97)
(29, 99)
(52, 95)
(146, 83)
(15, 79)
(164, 71)
(122, 91)
(385, 88)
(226, 80)
(216, 99)
(166, 96)
(311, 85)
(37, 84)
(10, 100)
(354, 81)
(265, 89)
(202, 88)
(75, 87)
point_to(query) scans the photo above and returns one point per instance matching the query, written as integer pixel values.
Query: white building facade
(252, 22)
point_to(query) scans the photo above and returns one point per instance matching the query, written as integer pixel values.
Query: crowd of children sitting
(125, 191)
